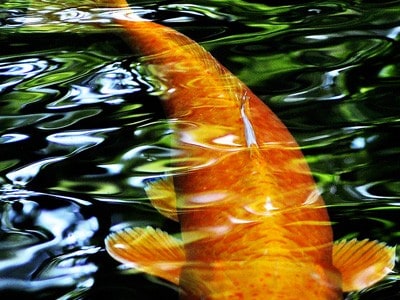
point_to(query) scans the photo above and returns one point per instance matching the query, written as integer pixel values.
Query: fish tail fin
(362, 263)
(149, 250)
(113, 3)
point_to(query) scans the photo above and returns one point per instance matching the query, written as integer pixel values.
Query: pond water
(82, 127)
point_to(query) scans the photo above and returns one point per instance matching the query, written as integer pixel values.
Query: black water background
(82, 127)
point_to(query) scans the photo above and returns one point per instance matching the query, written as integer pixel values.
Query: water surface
(82, 128)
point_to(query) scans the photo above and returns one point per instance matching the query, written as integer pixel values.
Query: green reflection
(279, 50)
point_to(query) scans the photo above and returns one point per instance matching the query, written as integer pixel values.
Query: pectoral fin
(362, 263)
(162, 196)
(149, 250)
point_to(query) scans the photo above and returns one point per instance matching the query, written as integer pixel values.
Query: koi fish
(253, 224)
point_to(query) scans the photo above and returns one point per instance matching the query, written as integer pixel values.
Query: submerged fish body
(253, 223)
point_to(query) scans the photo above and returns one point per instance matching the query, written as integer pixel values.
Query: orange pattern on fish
(253, 223)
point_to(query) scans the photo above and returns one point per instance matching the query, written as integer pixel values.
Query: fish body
(253, 223)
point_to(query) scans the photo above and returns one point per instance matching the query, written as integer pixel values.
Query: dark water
(81, 127)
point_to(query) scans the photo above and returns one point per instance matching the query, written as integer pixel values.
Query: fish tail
(125, 12)
(112, 3)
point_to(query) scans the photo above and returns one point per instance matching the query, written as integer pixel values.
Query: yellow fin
(162, 196)
(149, 250)
(362, 263)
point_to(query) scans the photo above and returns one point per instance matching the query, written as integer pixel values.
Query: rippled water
(81, 127)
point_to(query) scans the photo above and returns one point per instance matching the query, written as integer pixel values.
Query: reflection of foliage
(67, 106)
(52, 16)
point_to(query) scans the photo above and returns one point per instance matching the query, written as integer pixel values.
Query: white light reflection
(312, 197)
(261, 209)
(73, 15)
(208, 197)
(12, 138)
(358, 143)
(394, 33)
(78, 137)
(317, 37)
(227, 140)
(25, 174)
(113, 169)
(364, 190)
(269, 206)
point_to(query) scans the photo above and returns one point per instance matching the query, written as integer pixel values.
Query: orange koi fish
(253, 224)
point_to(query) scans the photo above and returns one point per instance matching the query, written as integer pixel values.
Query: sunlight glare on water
(82, 128)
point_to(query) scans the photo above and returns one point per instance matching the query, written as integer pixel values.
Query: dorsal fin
(362, 263)
(249, 133)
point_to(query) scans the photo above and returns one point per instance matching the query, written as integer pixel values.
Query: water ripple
(11, 74)
(12, 138)
(34, 228)
(82, 125)
(11, 17)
